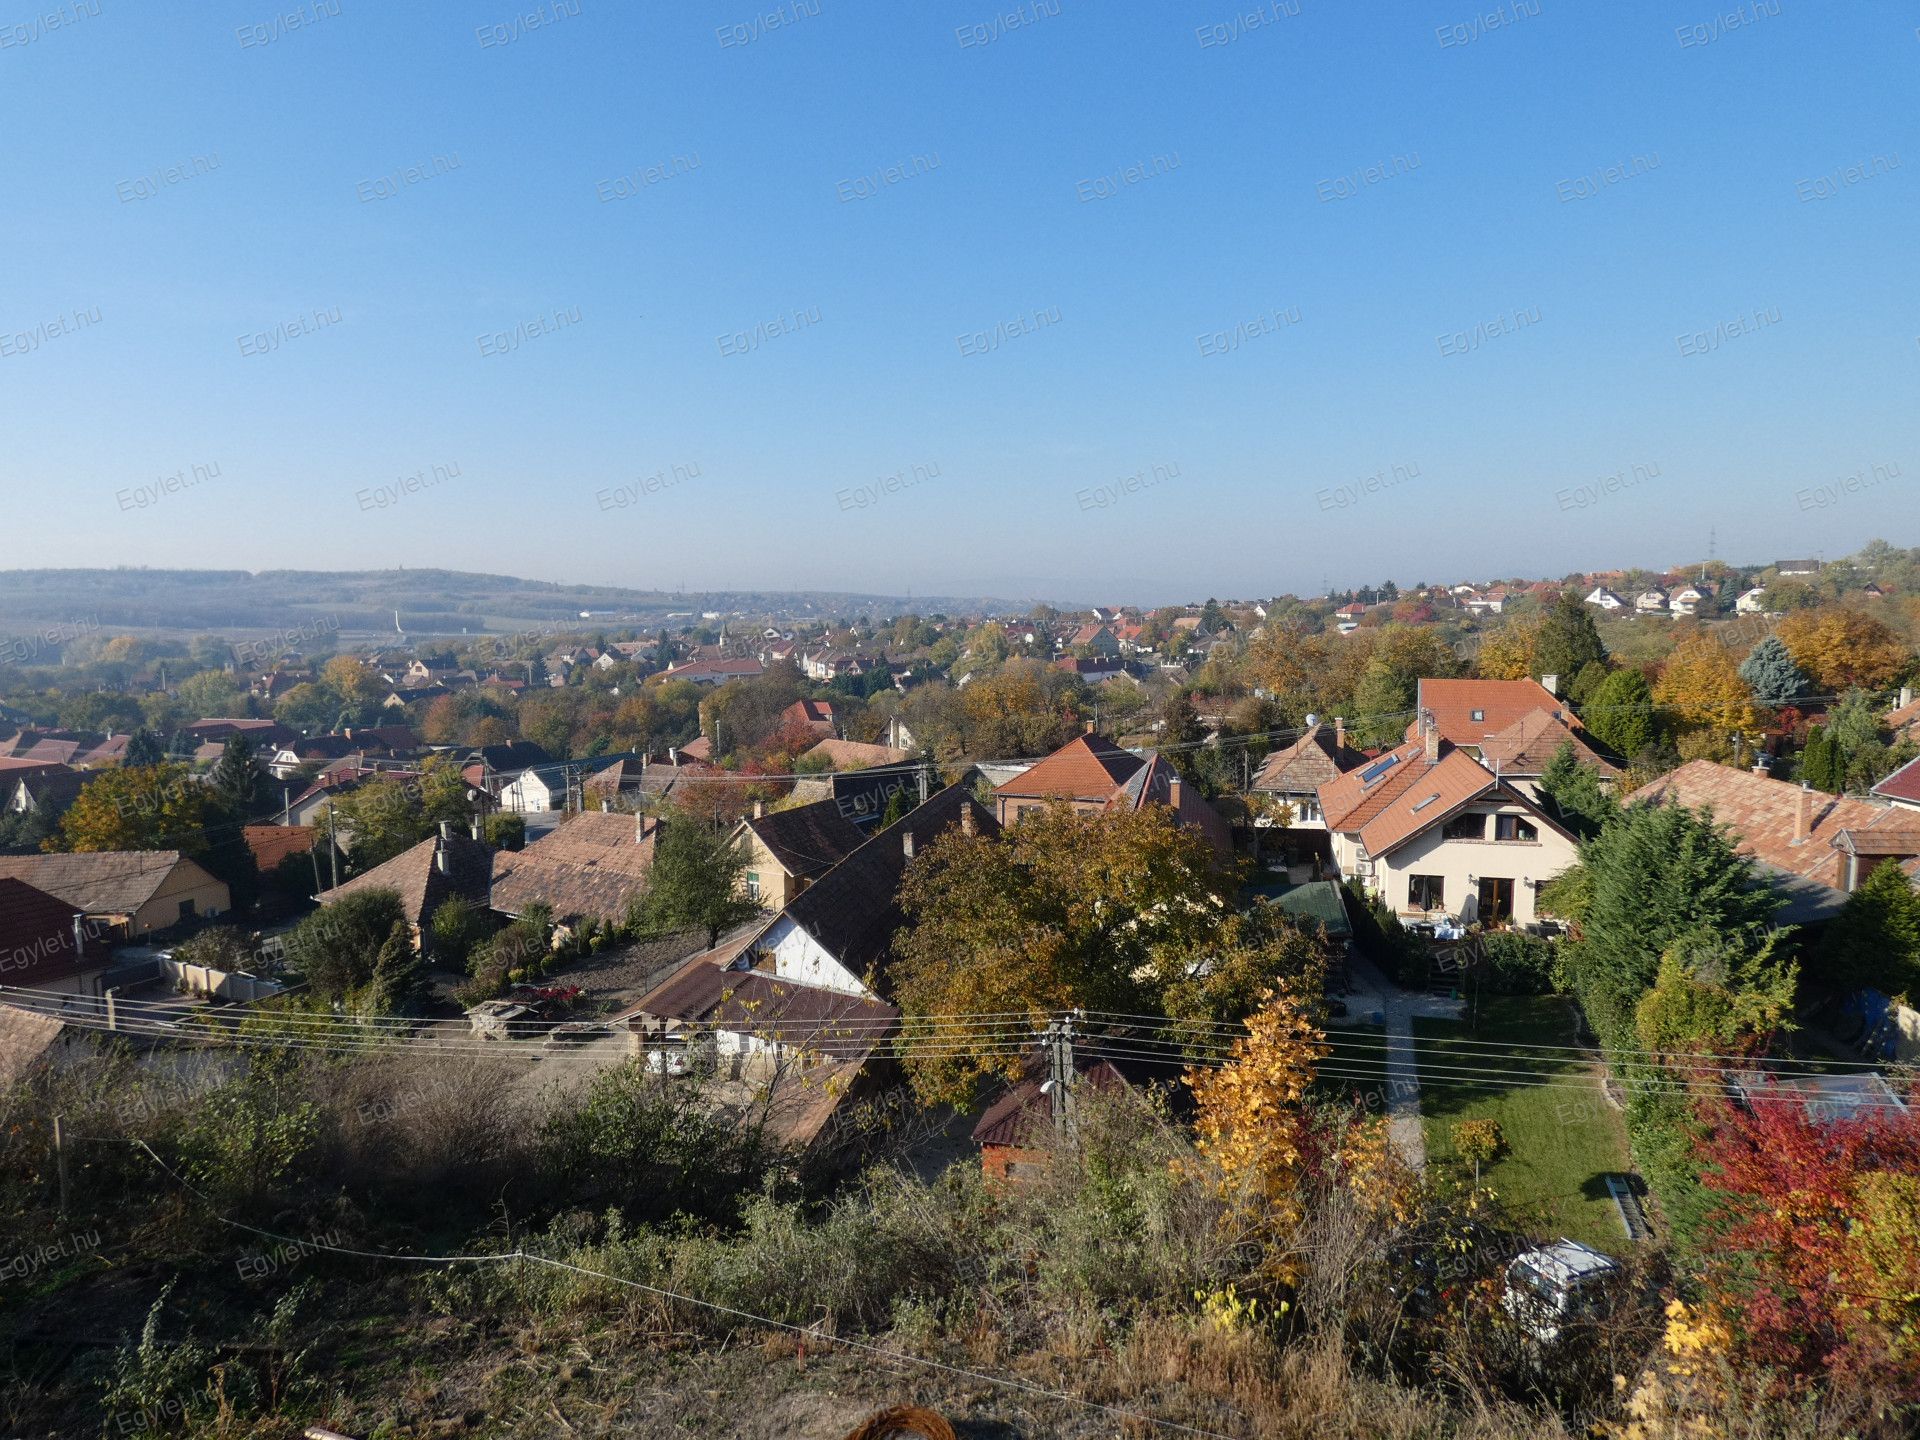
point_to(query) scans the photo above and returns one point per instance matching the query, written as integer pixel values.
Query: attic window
(1420, 805)
(1479, 715)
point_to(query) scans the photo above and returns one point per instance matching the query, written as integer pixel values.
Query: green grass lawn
(1561, 1139)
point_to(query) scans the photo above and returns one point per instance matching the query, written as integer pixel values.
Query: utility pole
(1058, 1044)
(60, 1160)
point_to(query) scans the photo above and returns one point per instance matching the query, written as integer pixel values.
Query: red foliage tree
(1817, 1271)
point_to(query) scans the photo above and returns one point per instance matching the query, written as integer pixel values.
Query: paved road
(1376, 1000)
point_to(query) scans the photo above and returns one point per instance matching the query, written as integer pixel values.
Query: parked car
(1559, 1283)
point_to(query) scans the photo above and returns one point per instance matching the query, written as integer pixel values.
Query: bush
(506, 832)
(219, 947)
(335, 948)
(457, 926)
(1515, 963)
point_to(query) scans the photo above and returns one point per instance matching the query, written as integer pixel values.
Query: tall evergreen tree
(1568, 641)
(1771, 674)
(1819, 761)
(235, 778)
(1573, 789)
(1875, 941)
(399, 974)
(143, 748)
(1620, 714)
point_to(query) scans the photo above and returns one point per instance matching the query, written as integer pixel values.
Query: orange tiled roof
(1499, 703)
(1761, 812)
(1087, 767)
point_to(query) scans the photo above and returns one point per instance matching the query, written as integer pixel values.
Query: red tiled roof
(1500, 703)
(1903, 784)
(37, 941)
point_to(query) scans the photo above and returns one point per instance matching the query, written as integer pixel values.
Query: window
(1426, 892)
(1514, 827)
(1479, 715)
(753, 884)
(1465, 827)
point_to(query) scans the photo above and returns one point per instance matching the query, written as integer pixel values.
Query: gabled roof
(1525, 747)
(706, 991)
(99, 882)
(1416, 795)
(1499, 703)
(853, 909)
(415, 875)
(1307, 764)
(807, 840)
(593, 863)
(1023, 1117)
(1087, 767)
(1158, 783)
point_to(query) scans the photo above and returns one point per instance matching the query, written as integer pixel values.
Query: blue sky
(1248, 319)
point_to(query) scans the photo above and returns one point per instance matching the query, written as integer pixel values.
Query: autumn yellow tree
(1507, 653)
(1701, 690)
(1840, 648)
(351, 678)
(147, 807)
(1252, 1129)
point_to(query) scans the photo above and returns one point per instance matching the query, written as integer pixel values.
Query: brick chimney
(968, 825)
(1340, 730)
(1430, 732)
(1089, 727)
(1803, 814)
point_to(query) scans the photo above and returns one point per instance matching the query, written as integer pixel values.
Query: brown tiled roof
(698, 748)
(856, 755)
(853, 909)
(1307, 764)
(37, 943)
(25, 1037)
(17, 767)
(99, 882)
(1023, 1117)
(706, 991)
(1761, 813)
(1087, 767)
(808, 839)
(1155, 784)
(271, 844)
(592, 864)
(1500, 703)
(1526, 746)
(417, 878)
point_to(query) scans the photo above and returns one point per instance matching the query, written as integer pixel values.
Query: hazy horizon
(1096, 304)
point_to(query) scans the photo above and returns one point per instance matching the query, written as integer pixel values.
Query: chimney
(1760, 767)
(1803, 814)
(673, 754)
(906, 844)
(1906, 696)
(1431, 733)
(968, 825)
(1173, 792)
(1340, 731)
(759, 809)
(440, 856)
(1550, 684)
(79, 934)
(446, 829)
(474, 828)
(1089, 727)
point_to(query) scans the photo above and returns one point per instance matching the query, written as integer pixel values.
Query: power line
(881, 1352)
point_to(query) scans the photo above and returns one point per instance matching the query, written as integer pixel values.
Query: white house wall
(798, 957)
(1455, 860)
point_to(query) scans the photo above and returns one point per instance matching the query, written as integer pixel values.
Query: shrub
(1516, 963)
(335, 948)
(457, 926)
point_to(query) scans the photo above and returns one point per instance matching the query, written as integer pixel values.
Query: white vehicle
(1557, 1283)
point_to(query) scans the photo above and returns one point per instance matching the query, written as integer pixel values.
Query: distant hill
(429, 602)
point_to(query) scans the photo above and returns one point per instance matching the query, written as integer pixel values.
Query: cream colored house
(1435, 833)
(140, 890)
